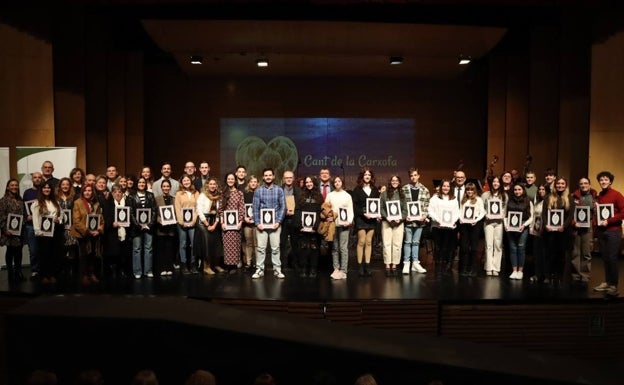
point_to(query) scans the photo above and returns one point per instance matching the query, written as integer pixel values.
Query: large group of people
(141, 227)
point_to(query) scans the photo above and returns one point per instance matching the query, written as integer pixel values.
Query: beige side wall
(26, 99)
(606, 144)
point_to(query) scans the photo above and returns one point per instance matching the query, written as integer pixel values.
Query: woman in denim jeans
(517, 233)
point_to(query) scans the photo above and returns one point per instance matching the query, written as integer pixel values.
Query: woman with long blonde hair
(558, 237)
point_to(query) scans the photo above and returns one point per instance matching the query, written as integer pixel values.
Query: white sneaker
(169, 273)
(163, 273)
(176, 266)
(258, 274)
(519, 275)
(417, 267)
(343, 274)
(336, 274)
(137, 276)
(495, 273)
(278, 274)
(489, 272)
(514, 275)
(150, 275)
(406, 268)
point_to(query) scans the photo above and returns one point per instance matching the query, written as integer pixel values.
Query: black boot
(18, 275)
(362, 272)
(367, 270)
(10, 273)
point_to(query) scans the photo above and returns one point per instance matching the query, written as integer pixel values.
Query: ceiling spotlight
(196, 60)
(396, 60)
(463, 60)
(262, 63)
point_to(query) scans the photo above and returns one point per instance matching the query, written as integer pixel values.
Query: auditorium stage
(408, 329)
(416, 286)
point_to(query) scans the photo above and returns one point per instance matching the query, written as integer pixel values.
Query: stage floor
(239, 285)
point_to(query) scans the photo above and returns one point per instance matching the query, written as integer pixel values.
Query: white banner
(5, 174)
(30, 159)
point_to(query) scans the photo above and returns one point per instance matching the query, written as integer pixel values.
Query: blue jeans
(517, 246)
(31, 239)
(183, 232)
(142, 242)
(411, 243)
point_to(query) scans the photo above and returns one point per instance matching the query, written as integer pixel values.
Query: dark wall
(182, 113)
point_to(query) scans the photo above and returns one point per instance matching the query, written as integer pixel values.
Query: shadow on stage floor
(406, 329)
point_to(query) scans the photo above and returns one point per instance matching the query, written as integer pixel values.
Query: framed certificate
(47, 225)
(187, 215)
(249, 211)
(514, 220)
(230, 220)
(604, 211)
(446, 219)
(555, 219)
(267, 217)
(343, 217)
(469, 214)
(28, 206)
(372, 207)
(582, 216)
(394, 210)
(66, 218)
(413, 209)
(14, 224)
(495, 209)
(308, 219)
(167, 215)
(93, 222)
(143, 216)
(122, 216)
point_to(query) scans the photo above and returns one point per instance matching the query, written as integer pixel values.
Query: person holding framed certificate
(306, 220)
(11, 229)
(208, 240)
(417, 198)
(341, 204)
(143, 218)
(46, 215)
(165, 231)
(472, 212)
(89, 244)
(268, 199)
(539, 257)
(29, 197)
(495, 201)
(249, 231)
(519, 219)
(65, 196)
(117, 240)
(609, 232)
(393, 213)
(557, 216)
(584, 197)
(186, 201)
(231, 214)
(444, 214)
(365, 223)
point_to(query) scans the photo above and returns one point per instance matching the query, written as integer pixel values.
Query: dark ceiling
(311, 38)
